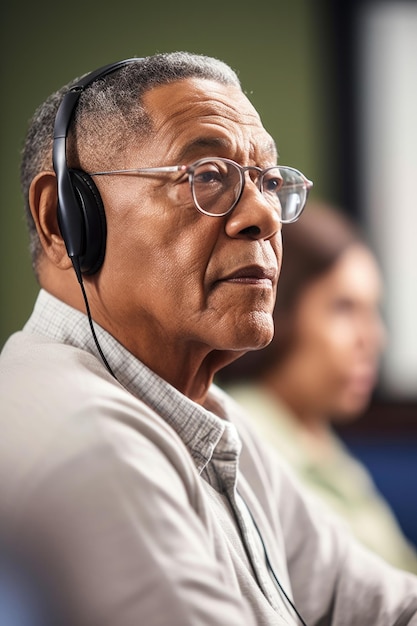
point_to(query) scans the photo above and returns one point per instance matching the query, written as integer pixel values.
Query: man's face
(175, 281)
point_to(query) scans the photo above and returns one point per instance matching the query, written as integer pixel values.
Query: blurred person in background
(321, 369)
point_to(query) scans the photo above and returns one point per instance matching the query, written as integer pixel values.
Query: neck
(189, 366)
(313, 421)
(191, 370)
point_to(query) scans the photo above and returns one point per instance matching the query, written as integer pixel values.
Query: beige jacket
(138, 507)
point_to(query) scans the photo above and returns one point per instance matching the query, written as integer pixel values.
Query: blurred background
(336, 85)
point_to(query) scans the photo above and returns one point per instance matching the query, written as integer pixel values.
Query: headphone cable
(76, 264)
(271, 569)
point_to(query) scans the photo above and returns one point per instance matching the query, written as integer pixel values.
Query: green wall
(275, 48)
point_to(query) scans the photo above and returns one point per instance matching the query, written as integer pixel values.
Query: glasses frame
(190, 169)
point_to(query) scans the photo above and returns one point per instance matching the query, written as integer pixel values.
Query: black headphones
(80, 210)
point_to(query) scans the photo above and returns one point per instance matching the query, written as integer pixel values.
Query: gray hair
(109, 114)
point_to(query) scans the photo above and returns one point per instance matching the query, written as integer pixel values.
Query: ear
(43, 200)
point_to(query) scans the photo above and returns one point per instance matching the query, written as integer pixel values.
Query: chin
(260, 331)
(252, 332)
(351, 409)
(253, 342)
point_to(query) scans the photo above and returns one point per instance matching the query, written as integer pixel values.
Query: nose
(253, 217)
(372, 334)
(380, 332)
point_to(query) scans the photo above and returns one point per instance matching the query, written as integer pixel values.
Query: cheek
(162, 254)
(323, 371)
(148, 233)
(325, 350)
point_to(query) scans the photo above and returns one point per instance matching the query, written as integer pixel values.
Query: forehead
(355, 275)
(357, 269)
(194, 117)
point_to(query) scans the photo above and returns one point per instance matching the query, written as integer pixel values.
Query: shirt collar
(200, 428)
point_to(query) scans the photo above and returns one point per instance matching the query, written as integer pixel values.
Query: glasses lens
(292, 193)
(216, 186)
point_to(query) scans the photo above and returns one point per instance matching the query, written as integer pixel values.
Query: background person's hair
(311, 247)
(109, 115)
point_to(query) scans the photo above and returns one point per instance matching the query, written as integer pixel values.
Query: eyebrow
(195, 146)
(203, 143)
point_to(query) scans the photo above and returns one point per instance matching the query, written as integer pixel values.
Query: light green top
(336, 477)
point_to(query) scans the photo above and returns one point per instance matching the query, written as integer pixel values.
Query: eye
(343, 305)
(272, 180)
(209, 173)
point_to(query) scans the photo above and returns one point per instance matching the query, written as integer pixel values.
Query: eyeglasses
(217, 185)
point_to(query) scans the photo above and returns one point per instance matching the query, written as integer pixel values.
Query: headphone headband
(71, 198)
(69, 101)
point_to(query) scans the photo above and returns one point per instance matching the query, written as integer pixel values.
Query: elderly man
(132, 490)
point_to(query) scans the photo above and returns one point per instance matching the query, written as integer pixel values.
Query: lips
(364, 383)
(251, 274)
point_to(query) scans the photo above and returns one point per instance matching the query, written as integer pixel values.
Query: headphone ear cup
(93, 221)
